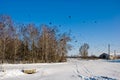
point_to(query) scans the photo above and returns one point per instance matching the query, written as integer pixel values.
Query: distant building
(104, 56)
(107, 56)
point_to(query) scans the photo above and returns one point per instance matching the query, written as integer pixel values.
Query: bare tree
(5, 33)
(84, 50)
(16, 43)
(33, 38)
(63, 45)
(23, 50)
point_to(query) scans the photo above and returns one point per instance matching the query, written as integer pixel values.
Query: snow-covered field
(73, 69)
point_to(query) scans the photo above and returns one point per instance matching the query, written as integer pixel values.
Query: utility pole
(115, 54)
(108, 50)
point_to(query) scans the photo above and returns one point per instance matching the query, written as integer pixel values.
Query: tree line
(31, 43)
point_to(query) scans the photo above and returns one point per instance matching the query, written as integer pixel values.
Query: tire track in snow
(79, 69)
(84, 71)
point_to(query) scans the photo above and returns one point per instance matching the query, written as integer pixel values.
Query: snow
(73, 69)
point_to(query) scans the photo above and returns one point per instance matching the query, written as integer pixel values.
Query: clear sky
(96, 22)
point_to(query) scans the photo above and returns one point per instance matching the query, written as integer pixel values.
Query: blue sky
(96, 22)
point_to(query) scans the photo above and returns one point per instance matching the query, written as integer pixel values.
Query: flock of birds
(69, 17)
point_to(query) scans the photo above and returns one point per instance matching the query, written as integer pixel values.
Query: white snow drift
(73, 69)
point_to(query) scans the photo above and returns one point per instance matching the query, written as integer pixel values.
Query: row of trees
(29, 43)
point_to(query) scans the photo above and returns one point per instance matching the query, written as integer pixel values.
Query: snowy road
(72, 70)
